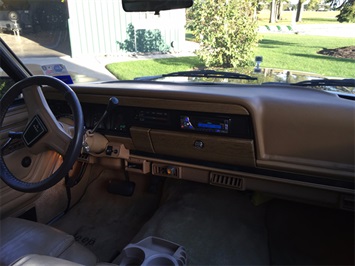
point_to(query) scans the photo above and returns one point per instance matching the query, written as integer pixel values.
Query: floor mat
(302, 234)
(105, 223)
(217, 226)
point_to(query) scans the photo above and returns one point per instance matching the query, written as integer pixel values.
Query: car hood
(268, 75)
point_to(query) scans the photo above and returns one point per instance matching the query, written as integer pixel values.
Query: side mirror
(154, 5)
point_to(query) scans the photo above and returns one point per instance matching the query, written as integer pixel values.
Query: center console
(153, 251)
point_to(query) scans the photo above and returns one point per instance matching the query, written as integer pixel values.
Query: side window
(5, 82)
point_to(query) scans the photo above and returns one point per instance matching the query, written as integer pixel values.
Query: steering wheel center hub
(34, 131)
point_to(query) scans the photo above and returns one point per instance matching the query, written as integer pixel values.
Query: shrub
(226, 31)
(143, 41)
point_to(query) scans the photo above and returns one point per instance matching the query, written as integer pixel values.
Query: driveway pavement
(39, 50)
(336, 29)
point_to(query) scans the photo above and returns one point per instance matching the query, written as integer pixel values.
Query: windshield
(84, 41)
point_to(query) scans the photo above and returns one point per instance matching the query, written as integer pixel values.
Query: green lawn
(131, 69)
(308, 17)
(287, 17)
(299, 52)
(284, 51)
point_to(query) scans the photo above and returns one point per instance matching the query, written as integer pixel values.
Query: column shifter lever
(113, 102)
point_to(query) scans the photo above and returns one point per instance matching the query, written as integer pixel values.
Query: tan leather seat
(21, 237)
(41, 260)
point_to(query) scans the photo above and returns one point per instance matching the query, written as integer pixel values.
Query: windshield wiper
(327, 82)
(201, 74)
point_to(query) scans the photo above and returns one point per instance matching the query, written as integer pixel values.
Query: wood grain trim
(215, 148)
(141, 139)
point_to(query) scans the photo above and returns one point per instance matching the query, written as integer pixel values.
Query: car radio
(205, 124)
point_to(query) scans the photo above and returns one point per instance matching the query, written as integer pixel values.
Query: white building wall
(96, 26)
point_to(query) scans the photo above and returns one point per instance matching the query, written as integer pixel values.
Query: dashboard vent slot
(229, 181)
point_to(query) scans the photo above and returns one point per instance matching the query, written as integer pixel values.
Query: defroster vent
(224, 180)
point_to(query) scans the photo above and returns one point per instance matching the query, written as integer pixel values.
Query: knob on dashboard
(170, 170)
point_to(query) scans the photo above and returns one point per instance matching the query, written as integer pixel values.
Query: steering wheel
(43, 132)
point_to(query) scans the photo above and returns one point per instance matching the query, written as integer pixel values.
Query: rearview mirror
(154, 5)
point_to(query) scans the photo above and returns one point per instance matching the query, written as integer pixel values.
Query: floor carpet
(302, 234)
(221, 227)
(105, 223)
(217, 226)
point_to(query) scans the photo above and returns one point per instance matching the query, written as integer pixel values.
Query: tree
(314, 4)
(279, 9)
(300, 6)
(276, 7)
(226, 31)
(347, 12)
(273, 12)
(346, 7)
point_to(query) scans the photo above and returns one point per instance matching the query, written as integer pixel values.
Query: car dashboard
(279, 140)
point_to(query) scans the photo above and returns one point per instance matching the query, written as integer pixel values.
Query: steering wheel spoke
(35, 100)
(61, 143)
(54, 136)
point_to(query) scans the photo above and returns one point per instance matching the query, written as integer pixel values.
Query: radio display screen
(204, 124)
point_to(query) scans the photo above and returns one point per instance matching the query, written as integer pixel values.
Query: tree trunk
(279, 9)
(272, 12)
(300, 6)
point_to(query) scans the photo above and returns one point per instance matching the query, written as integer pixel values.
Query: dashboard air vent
(224, 180)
